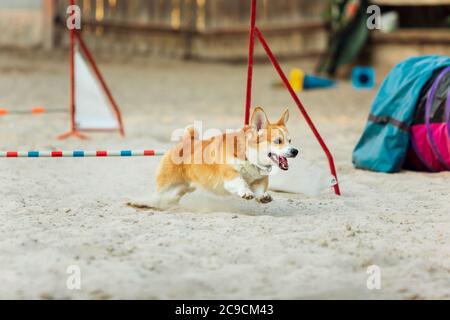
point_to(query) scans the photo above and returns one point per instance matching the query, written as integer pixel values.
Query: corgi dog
(237, 163)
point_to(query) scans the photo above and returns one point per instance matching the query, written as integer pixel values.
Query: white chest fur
(251, 173)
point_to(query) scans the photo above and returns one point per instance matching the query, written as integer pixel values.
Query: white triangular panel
(92, 107)
(303, 177)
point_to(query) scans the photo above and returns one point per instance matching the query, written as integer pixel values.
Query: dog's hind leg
(172, 194)
(166, 198)
(170, 182)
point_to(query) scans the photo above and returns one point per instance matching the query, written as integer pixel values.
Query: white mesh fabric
(303, 177)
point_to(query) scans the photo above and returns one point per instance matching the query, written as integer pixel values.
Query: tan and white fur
(240, 168)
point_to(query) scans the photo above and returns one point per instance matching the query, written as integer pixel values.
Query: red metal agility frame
(254, 30)
(74, 131)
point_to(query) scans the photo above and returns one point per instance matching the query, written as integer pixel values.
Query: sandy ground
(57, 213)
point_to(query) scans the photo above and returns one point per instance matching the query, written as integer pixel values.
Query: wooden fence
(205, 29)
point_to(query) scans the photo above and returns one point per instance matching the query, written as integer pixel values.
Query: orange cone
(38, 110)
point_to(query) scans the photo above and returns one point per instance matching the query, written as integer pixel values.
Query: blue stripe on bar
(125, 153)
(78, 154)
(33, 154)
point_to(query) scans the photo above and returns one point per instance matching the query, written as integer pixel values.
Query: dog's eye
(278, 141)
(290, 141)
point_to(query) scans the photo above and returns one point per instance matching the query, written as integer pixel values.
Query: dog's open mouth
(281, 161)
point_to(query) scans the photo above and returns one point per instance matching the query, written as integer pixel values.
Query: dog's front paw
(247, 195)
(265, 198)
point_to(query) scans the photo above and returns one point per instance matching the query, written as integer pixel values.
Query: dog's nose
(294, 152)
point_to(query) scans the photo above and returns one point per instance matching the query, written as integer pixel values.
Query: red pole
(72, 73)
(73, 129)
(300, 106)
(251, 49)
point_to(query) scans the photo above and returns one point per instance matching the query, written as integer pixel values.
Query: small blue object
(78, 154)
(126, 153)
(314, 82)
(33, 154)
(363, 77)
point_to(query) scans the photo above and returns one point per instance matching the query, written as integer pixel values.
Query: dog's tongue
(283, 163)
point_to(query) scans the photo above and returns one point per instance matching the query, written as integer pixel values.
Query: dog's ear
(259, 119)
(284, 117)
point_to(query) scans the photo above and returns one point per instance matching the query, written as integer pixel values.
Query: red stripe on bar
(12, 154)
(57, 154)
(102, 153)
(149, 152)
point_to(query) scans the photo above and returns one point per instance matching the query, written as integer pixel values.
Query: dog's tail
(191, 133)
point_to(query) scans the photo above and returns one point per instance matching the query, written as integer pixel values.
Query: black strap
(386, 119)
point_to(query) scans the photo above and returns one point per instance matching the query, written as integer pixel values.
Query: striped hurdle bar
(33, 111)
(80, 154)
